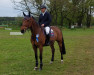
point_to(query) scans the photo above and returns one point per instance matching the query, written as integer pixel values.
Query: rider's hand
(42, 25)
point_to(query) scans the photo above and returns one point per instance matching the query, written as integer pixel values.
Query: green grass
(17, 56)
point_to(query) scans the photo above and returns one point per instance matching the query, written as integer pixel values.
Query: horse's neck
(35, 28)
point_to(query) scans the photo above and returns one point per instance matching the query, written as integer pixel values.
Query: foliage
(13, 22)
(92, 21)
(64, 12)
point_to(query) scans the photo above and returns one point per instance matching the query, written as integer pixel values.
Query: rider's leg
(47, 30)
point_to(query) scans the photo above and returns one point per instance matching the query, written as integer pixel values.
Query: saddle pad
(51, 33)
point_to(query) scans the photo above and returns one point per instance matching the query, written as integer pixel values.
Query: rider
(44, 21)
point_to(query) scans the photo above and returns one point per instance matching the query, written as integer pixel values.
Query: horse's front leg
(36, 57)
(41, 50)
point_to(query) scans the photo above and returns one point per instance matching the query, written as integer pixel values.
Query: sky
(7, 9)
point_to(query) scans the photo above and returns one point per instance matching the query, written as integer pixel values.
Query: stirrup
(47, 44)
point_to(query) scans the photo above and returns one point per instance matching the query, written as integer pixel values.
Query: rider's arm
(48, 20)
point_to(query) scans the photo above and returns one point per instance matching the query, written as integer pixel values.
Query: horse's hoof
(61, 61)
(51, 62)
(40, 69)
(36, 68)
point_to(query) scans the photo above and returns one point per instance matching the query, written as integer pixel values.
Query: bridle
(28, 19)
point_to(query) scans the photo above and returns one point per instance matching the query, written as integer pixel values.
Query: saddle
(47, 41)
(51, 34)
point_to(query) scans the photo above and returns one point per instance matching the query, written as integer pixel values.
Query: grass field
(17, 56)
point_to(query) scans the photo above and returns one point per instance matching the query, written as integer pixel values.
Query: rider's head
(43, 8)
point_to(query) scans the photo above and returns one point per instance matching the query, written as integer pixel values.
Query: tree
(66, 12)
(89, 12)
(28, 5)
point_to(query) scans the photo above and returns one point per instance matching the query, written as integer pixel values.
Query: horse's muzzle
(22, 31)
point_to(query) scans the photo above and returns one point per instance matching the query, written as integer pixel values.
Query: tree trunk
(62, 19)
(79, 24)
(88, 21)
(88, 18)
(56, 18)
(80, 21)
(69, 24)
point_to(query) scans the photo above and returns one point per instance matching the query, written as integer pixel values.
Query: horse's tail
(63, 47)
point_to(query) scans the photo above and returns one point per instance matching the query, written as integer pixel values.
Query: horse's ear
(33, 17)
(24, 14)
(29, 13)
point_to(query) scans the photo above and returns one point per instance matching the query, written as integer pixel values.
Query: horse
(38, 38)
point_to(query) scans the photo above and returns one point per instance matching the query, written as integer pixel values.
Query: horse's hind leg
(60, 46)
(53, 50)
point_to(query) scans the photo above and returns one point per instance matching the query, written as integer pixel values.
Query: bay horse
(30, 23)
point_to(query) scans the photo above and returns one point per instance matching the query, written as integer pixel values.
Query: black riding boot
(47, 39)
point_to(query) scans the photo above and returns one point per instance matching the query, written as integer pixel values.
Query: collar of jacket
(44, 13)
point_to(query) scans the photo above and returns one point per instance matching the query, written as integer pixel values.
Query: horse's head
(27, 22)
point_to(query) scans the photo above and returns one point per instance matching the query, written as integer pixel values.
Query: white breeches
(47, 30)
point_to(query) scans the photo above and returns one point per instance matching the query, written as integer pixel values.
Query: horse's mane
(37, 23)
(35, 20)
(27, 16)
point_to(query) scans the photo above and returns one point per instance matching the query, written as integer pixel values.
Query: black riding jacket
(46, 19)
